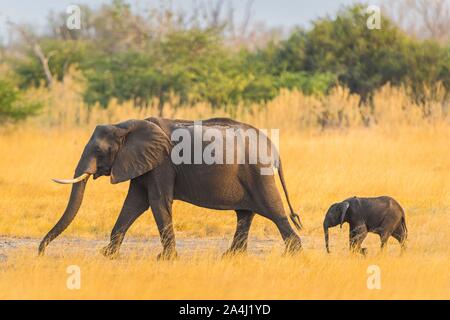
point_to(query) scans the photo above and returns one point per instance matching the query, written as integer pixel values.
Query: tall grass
(401, 154)
(291, 110)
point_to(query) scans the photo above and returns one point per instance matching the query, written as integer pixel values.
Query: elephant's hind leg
(240, 240)
(268, 204)
(275, 212)
(291, 239)
(134, 206)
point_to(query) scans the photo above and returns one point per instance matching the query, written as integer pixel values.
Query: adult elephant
(140, 151)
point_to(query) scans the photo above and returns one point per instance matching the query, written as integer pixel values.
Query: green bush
(317, 84)
(13, 106)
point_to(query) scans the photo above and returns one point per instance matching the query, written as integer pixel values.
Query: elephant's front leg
(136, 203)
(356, 237)
(162, 213)
(240, 240)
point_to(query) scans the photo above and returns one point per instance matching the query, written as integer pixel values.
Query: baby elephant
(383, 216)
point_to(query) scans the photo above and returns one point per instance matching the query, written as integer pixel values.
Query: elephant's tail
(404, 226)
(295, 218)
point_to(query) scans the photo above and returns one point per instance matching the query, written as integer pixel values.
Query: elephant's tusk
(84, 176)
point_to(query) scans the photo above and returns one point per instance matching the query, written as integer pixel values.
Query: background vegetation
(160, 56)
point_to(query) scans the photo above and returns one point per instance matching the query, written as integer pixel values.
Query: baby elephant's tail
(295, 218)
(404, 226)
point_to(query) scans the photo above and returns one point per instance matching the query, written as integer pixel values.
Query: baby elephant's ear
(344, 207)
(145, 146)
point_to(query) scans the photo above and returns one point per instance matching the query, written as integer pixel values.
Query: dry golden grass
(409, 162)
(313, 275)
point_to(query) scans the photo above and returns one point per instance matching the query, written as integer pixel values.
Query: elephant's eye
(99, 152)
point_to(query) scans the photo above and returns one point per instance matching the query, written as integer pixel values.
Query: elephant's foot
(359, 251)
(293, 246)
(167, 255)
(110, 251)
(402, 249)
(234, 252)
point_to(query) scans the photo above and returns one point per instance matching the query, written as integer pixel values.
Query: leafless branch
(34, 44)
(422, 18)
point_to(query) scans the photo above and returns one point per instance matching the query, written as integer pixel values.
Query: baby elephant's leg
(386, 229)
(384, 237)
(400, 235)
(357, 236)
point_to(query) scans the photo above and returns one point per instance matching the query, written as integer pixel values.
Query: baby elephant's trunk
(325, 230)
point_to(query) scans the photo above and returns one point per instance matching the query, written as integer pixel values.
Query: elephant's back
(170, 125)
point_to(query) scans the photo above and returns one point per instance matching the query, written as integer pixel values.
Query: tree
(429, 65)
(61, 55)
(424, 19)
(363, 59)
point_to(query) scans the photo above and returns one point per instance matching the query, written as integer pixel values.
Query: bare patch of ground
(132, 246)
(186, 246)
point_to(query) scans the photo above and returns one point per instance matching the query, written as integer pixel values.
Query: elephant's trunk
(76, 197)
(325, 230)
(84, 169)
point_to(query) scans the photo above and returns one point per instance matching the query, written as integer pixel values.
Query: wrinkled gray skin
(139, 151)
(382, 216)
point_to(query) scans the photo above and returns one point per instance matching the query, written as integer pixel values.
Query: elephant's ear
(144, 147)
(344, 207)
